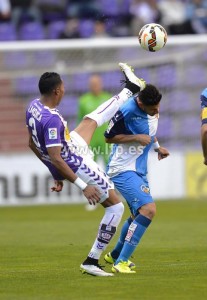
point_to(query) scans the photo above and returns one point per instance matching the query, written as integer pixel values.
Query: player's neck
(48, 101)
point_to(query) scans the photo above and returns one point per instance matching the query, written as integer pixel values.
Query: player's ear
(139, 102)
(57, 91)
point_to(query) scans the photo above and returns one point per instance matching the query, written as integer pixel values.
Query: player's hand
(58, 186)
(92, 194)
(162, 153)
(143, 139)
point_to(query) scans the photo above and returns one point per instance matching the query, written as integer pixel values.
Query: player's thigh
(86, 129)
(112, 199)
(92, 174)
(134, 188)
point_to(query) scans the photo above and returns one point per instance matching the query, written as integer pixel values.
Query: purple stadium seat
(143, 73)
(80, 82)
(69, 106)
(112, 80)
(195, 75)
(110, 8)
(86, 28)
(178, 101)
(165, 127)
(7, 32)
(54, 29)
(68, 83)
(190, 126)
(26, 85)
(166, 76)
(124, 6)
(32, 31)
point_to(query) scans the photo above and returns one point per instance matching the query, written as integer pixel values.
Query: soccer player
(133, 132)
(89, 101)
(67, 155)
(204, 124)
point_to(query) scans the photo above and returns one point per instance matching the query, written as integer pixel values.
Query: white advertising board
(25, 180)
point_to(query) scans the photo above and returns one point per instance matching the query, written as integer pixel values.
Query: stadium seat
(32, 31)
(86, 28)
(80, 82)
(68, 106)
(166, 76)
(26, 85)
(143, 73)
(54, 29)
(124, 6)
(112, 80)
(68, 83)
(190, 126)
(110, 8)
(195, 75)
(178, 101)
(165, 127)
(7, 32)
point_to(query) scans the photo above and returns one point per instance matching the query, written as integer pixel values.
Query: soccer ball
(152, 37)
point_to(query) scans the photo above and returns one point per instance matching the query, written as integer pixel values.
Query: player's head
(95, 84)
(149, 99)
(51, 83)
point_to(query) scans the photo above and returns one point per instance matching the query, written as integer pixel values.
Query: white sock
(107, 110)
(107, 229)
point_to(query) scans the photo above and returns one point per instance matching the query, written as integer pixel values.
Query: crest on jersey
(204, 113)
(145, 189)
(52, 133)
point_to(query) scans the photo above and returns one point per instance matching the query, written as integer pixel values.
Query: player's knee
(117, 209)
(116, 212)
(148, 210)
(121, 208)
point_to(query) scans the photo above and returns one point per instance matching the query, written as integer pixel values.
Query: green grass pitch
(41, 248)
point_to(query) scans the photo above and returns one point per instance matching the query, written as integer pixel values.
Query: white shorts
(90, 172)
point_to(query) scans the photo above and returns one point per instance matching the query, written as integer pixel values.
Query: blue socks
(135, 231)
(116, 251)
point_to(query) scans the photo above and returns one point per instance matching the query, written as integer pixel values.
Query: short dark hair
(150, 95)
(48, 82)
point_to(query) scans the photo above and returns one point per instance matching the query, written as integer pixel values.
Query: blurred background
(85, 39)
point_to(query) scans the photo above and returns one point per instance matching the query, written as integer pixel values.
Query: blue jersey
(204, 106)
(129, 120)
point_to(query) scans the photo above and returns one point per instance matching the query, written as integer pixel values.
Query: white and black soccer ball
(152, 37)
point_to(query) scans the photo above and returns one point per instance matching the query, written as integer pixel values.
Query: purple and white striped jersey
(49, 129)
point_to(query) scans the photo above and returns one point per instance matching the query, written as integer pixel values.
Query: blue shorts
(134, 188)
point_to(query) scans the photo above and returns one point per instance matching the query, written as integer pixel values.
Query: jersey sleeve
(52, 130)
(203, 99)
(117, 125)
